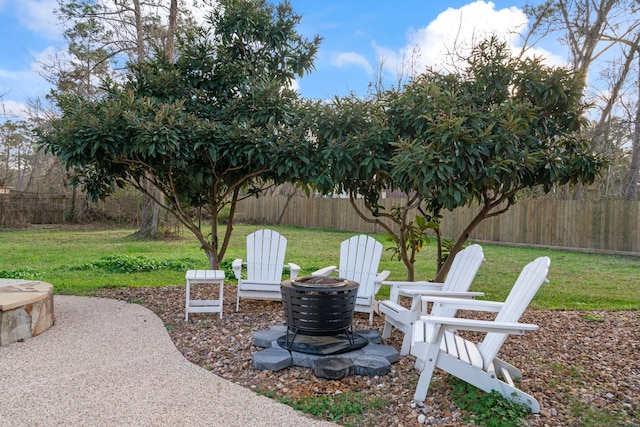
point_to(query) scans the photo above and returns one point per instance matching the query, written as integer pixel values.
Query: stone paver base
(372, 359)
(26, 309)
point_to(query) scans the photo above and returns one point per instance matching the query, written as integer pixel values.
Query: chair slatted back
(265, 255)
(531, 278)
(463, 270)
(359, 261)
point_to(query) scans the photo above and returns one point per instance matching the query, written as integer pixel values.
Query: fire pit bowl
(318, 306)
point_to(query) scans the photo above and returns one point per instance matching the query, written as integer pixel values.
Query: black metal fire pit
(318, 306)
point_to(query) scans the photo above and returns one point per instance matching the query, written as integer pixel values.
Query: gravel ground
(579, 365)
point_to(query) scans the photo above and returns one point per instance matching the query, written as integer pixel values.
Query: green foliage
(593, 317)
(225, 266)
(136, 264)
(21, 273)
(447, 246)
(487, 409)
(480, 136)
(353, 147)
(340, 407)
(414, 236)
(220, 119)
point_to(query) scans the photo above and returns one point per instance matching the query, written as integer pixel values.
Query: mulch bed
(579, 364)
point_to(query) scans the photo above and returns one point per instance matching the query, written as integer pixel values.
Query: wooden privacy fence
(33, 209)
(18, 209)
(589, 225)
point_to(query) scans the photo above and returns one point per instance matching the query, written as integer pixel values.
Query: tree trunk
(150, 220)
(284, 209)
(171, 31)
(149, 213)
(631, 190)
(484, 213)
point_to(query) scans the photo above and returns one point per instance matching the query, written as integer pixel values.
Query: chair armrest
(325, 271)
(465, 303)
(377, 281)
(398, 287)
(480, 325)
(236, 266)
(294, 269)
(381, 276)
(445, 294)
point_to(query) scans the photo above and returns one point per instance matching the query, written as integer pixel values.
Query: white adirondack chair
(464, 268)
(437, 345)
(359, 261)
(265, 262)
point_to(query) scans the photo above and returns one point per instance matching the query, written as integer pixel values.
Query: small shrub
(180, 264)
(336, 407)
(21, 273)
(487, 409)
(593, 318)
(137, 264)
(225, 266)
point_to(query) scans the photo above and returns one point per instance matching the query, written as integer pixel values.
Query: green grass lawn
(577, 281)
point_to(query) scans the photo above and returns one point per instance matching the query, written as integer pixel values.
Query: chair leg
(386, 331)
(188, 296)
(427, 372)
(406, 341)
(237, 303)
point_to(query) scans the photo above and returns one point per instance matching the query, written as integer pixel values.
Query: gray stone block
(265, 338)
(354, 353)
(386, 351)
(333, 368)
(371, 365)
(272, 359)
(371, 359)
(371, 335)
(304, 360)
(278, 328)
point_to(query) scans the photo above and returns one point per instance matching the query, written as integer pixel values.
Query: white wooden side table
(195, 277)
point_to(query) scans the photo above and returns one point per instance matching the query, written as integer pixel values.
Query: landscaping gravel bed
(581, 366)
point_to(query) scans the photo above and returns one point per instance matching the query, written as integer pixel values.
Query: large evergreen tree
(220, 118)
(479, 136)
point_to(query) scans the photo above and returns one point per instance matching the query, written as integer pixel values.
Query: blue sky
(359, 35)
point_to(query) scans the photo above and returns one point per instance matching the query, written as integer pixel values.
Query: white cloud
(49, 57)
(350, 58)
(13, 110)
(38, 16)
(451, 36)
